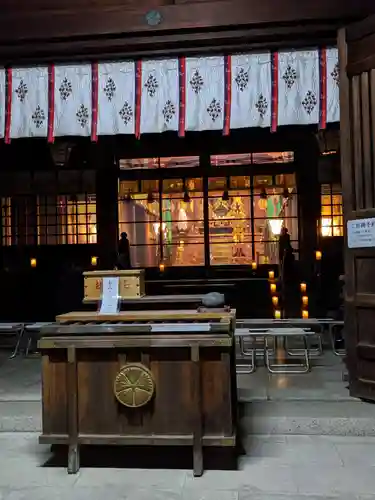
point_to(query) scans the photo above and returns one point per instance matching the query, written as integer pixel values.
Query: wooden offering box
(131, 284)
(139, 378)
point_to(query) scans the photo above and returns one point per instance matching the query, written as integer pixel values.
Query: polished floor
(291, 459)
(20, 380)
(275, 468)
(325, 382)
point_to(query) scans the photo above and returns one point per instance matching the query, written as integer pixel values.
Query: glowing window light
(276, 225)
(326, 228)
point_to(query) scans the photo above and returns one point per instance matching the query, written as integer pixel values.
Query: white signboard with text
(110, 296)
(361, 233)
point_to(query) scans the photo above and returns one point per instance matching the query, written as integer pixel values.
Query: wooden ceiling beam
(98, 20)
(228, 41)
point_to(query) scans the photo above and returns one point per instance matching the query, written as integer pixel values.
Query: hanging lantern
(262, 203)
(150, 197)
(128, 197)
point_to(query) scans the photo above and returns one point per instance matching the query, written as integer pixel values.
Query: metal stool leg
(28, 346)
(312, 352)
(251, 366)
(289, 368)
(266, 354)
(307, 357)
(258, 351)
(337, 352)
(19, 338)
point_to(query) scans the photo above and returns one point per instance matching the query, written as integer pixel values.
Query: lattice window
(331, 220)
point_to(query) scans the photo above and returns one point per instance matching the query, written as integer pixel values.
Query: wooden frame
(267, 169)
(80, 30)
(357, 102)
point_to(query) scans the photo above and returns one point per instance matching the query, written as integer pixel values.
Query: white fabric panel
(73, 100)
(2, 102)
(299, 88)
(251, 91)
(333, 80)
(205, 93)
(29, 102)
(160, 96)
(116, 98)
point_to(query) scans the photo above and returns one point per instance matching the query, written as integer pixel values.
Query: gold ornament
(134, 385)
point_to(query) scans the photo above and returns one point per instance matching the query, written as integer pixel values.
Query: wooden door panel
(357, 102)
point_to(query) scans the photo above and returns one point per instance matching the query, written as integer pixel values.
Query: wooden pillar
(307, 158)
(106, 205)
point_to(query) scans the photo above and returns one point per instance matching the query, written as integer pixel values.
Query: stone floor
(278, 464)
(278, 468)
(323, 383)
(20, 381)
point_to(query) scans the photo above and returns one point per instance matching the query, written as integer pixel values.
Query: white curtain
(29, 102)
(116, 98)
(73, 100)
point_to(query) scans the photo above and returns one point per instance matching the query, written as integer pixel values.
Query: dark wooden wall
(56, 285)
(42, 30)
(357, 110)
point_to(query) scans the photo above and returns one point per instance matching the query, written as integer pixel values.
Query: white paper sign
(361, 233)
(110, 297)
(178, 327)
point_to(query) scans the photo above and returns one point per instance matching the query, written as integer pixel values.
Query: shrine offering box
(131, 284)
(140, 378)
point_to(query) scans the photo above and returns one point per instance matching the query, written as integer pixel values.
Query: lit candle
(303, 287)
(305, 314)
(94, 261)
(33, 262)
(254, 265)
(318, 255)
(275, 300)
(277, 314)
(271, 275)
(273, 287)
(305, 300)
(161, 267)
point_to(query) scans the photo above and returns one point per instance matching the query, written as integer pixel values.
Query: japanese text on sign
(361, 233)
(110, 296)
